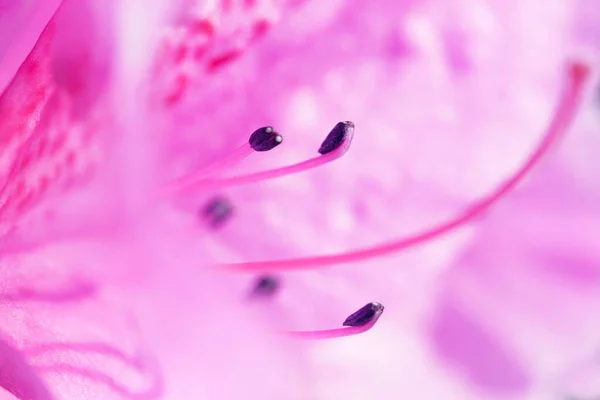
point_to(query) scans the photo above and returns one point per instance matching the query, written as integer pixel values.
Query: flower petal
(18, 377)
(21, 22)
(71, 331)
(84, 53)
(477, 353)
(21, 105)
(56, 121)
(531, 280)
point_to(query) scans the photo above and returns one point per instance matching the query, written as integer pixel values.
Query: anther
(265, 286)
(357, 323)
(364, 315)
(265, 139)
(337, 136)
(217, 211)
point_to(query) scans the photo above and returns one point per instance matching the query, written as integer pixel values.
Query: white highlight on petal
(382, 362)
(139, 26)
(303, 110)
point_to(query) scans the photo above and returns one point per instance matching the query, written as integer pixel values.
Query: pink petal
(22, 23)
(22, 105)
(17, 377)
(84, 49)
(57, 122)
(440, 128)
(72, 334)
(480, 355)
(531, 281)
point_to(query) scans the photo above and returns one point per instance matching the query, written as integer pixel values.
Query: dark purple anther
(266, 285)
(217, 211)
(364, 315)
(265, 139)
(336, 137)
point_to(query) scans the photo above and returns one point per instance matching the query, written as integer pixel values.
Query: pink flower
(123, 277)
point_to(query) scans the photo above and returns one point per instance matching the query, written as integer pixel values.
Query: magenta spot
(220, 61)
(260, 28)
(202, 27)
(180, 53)
(179, 89)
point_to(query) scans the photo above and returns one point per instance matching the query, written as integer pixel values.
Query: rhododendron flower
(192, 189)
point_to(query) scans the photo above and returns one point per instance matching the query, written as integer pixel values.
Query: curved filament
(566, 110)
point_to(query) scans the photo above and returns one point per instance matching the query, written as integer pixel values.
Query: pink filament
(190, 179)
(566, 110)
(219, 183)
(334, 333)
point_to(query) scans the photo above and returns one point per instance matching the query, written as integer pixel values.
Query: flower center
(335, 145)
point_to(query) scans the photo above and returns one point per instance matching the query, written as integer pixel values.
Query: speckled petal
(22, 23)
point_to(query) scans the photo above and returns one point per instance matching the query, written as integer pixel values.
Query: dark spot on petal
(217, 211)
(336, 137)
(364, 315)
(265, 139)
(266, 285)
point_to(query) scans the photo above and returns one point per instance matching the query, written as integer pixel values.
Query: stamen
(566, 110)
(265, 139)
(265, 286)
(262, 139)
(217, 211)
(357, 323)
(335, 145)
